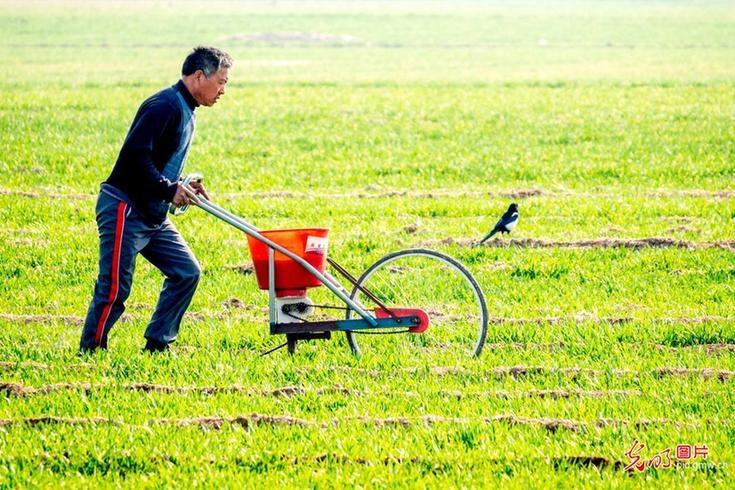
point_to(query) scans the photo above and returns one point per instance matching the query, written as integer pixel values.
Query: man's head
(205, 73)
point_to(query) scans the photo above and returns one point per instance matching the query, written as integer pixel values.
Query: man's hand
(186, 194)
(198, 187)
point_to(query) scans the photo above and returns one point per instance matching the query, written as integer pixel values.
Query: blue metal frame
(345, 325)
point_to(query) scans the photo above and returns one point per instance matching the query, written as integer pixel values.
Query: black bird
(506, 223)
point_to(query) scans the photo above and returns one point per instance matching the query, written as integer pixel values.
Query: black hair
(207, 59)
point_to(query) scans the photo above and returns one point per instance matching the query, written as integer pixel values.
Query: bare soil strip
(53, 420)
(523, 371)
(550, 424)
(10, 366)
(500, 371)
(70, 319)
(377, 193)
(553, 394)
(709, 349)
(255, 420)
(578, 461)
(234, 305)
(716, 348)
(603, 243)
(18, 390)
(14, 366)
(49, 195)
(331, 459)
(21, 391)
(613, 321)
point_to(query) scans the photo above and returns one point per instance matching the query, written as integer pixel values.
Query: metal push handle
(247, 228)
(179, 210)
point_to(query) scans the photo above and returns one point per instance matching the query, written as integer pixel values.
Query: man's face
(209, 89)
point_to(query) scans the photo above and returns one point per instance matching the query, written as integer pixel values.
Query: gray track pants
(123, 235)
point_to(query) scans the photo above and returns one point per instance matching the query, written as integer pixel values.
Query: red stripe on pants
(115, 275)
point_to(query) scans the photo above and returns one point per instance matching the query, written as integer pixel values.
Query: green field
(396, 125)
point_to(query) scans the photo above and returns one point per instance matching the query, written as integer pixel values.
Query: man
(133, 202)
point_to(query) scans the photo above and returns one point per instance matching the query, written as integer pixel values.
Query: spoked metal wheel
(433, 282)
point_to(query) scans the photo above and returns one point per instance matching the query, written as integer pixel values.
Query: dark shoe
(155, 346)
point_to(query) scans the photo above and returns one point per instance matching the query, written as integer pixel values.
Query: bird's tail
(487, 237)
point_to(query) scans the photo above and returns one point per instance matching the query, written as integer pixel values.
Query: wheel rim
(435, 283)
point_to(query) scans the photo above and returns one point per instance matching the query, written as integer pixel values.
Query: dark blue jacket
(154, 152)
